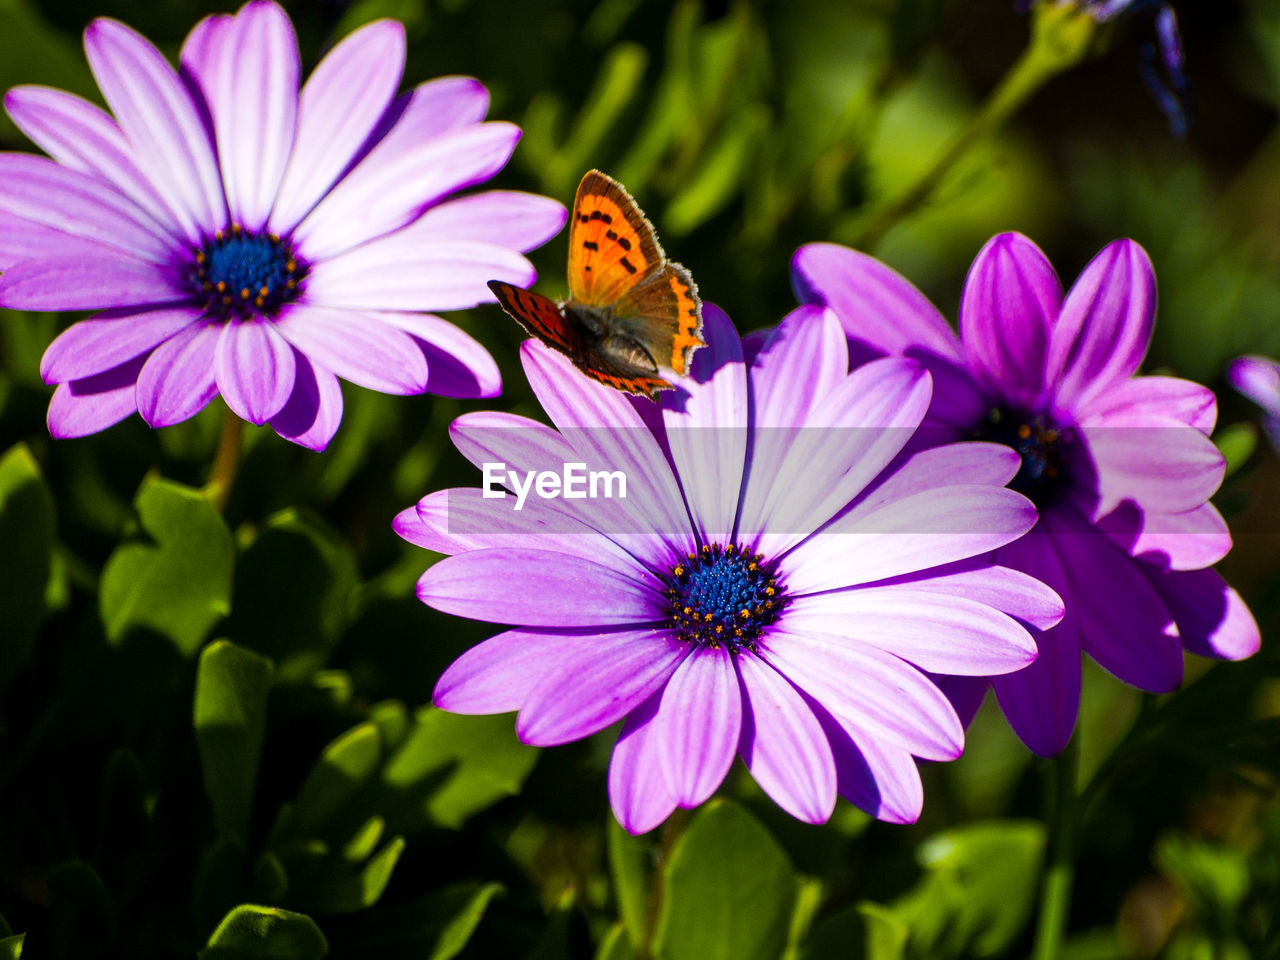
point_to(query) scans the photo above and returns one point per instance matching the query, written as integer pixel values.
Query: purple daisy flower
(769, 588)
(1121, 467)
(1258, 378)
(246, 237)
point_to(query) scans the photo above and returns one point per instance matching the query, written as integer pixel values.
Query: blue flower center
(722, 594)
(1040, 443)
(240, 273)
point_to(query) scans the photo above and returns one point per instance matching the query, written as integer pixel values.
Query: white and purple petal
(177, 381)
(500, 674)
(107, 340)
(84, 137)
(81, 407)
(705, 427)
(163, 123)
(554, 590)
(1104, 329)
(908, 535)
(254, 368)
(698, 724)
(880, 309)
(1010, 303)
(391, 188)
(1212, 619)
(457, 364)
(638, 793)
(398, 273)
(597, 682)
(936, 632)
(518, 221)
(869, 688)
(355, 347)
(247, 68)
(783, 744)
(311, 416)
(1042, 701)
(111, 279)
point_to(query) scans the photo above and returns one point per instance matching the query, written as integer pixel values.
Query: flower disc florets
(240, 273)
(1040, 443)
(723, 594)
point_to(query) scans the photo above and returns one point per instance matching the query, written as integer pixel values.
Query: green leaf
(339, 889)
(392, 722)
(174, 576)
(616, 945)
(219, 880)
(361, 846)
(809, 897)
(1214, 875)
(1236, 442)
(462, 764)
(230, 715)
(270, 881)
(252, 932)
(719, 174)
(11, 947)
(436, 926)
(295, 590)
(729, 890)
(978, 889)
(629, 867)
(459, 928)
(864, 931)
(344, 767)
(82, 916)
(26, 530)
(618, 81)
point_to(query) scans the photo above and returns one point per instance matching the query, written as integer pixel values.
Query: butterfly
(630, 311)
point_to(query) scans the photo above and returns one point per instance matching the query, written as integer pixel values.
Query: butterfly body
(631, 313)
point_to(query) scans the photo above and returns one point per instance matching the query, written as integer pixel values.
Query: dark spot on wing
(591, 244)
(624, 243)
(627, 265)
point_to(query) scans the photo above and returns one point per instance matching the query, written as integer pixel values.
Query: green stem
(1060, 38)
(676, 823)
(1059, 877)
(1140, 729)
(227, 460)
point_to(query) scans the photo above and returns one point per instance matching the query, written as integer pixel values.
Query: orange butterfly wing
(617, 265)
(665, 314)
(629, 311)
(612, 246)
(602, 371)
(540, 317)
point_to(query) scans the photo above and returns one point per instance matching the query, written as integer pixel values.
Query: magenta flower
(768, 588)
(1121, 467)
(245, 237)
(1258, 378)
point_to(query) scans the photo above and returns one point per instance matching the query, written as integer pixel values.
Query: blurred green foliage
(215, 735)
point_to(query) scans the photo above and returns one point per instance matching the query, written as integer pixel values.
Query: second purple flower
(1121, 467)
